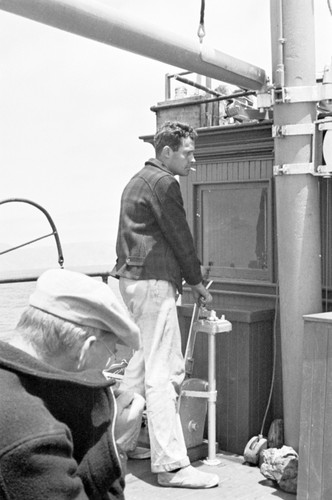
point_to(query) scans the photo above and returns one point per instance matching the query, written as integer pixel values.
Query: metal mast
(296, 191)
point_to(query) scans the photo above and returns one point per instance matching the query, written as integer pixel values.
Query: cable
(329, 6)
(274, 355)
(201, 29)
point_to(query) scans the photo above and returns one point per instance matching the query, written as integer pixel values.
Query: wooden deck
(237, 482)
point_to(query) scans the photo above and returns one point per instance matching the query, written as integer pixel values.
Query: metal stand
(212, 326)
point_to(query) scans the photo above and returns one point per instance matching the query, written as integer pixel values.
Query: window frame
(232, 273)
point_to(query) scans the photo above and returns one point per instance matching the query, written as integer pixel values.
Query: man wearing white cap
(58, 415)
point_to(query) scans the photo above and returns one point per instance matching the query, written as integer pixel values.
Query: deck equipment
(197, 395)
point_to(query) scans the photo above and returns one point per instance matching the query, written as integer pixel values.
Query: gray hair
(51, 336)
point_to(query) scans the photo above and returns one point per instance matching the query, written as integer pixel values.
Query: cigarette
(193, 169)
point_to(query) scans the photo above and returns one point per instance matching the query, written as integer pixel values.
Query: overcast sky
(71, 109)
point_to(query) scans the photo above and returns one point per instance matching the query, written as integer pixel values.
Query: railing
(50, 220)
(23, 276)
(28, 275)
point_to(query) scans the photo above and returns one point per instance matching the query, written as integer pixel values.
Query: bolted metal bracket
(293, 168)
(323, 171)
(292, 95)
(298, 94)
(295, 129)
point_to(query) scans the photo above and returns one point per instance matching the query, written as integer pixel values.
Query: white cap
(77, 298)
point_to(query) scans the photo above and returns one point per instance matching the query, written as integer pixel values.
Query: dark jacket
(154, 240)
(56, 432)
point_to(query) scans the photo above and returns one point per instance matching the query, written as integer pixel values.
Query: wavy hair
(171, 134)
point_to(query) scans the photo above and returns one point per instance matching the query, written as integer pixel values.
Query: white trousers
(156, 370)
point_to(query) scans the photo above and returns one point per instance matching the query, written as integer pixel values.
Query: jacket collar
(157, 163)
(18, 361)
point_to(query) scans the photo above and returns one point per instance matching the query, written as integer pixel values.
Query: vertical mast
(297, 198)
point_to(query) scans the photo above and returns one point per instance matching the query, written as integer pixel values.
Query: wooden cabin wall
(235, 154)
(229, 156)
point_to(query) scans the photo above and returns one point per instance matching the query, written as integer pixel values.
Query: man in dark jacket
(155, 251)
(58, 412)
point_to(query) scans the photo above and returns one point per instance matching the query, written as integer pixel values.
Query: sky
(72, 111)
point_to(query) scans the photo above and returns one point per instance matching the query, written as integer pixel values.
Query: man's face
(181, 160)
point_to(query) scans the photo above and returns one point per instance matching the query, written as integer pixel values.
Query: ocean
(14, 299)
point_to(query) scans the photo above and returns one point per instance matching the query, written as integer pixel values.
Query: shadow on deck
(238, 481)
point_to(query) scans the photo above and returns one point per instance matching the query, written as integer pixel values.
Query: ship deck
(238, 481)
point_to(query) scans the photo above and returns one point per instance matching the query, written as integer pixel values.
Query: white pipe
(212, 399)
(280, 72)
(104, 24)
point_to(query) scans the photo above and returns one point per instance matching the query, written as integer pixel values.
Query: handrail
(102, 271)
(50, 220)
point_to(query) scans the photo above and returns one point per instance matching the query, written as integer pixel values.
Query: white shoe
(188, 477)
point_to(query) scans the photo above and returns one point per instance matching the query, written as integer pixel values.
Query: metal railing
(28, 275)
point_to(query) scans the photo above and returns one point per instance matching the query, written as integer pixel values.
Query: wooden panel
(315, 449)
(243, 373)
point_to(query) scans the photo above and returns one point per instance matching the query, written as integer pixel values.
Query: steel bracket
(308, 93)
(296, 129)
(294, 168)
(323, 171)
(299, 94)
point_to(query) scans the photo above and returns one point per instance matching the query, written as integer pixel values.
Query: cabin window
(233, 229)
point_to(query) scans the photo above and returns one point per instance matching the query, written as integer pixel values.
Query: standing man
(155, 251)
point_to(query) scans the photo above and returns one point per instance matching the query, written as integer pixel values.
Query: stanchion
(212, 326)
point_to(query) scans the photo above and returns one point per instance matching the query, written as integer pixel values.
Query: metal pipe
(212, 399)
(297, 208)
(104, 24)
(280, 71)
(197, 85)
(194, 100)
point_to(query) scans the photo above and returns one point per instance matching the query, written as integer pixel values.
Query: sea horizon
(14, 299)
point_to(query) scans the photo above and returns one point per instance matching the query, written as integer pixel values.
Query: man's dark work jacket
(56, 432)
(154, 239)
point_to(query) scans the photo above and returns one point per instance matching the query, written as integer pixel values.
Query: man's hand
(128, 422)
(201, 295)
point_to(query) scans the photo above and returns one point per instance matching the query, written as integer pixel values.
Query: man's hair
(52, 336)
(171, 134)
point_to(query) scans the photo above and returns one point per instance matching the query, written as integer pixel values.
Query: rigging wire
(201, 28)
(329, 6)
(274, 356)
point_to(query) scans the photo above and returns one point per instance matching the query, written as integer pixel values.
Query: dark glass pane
(234, 226)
